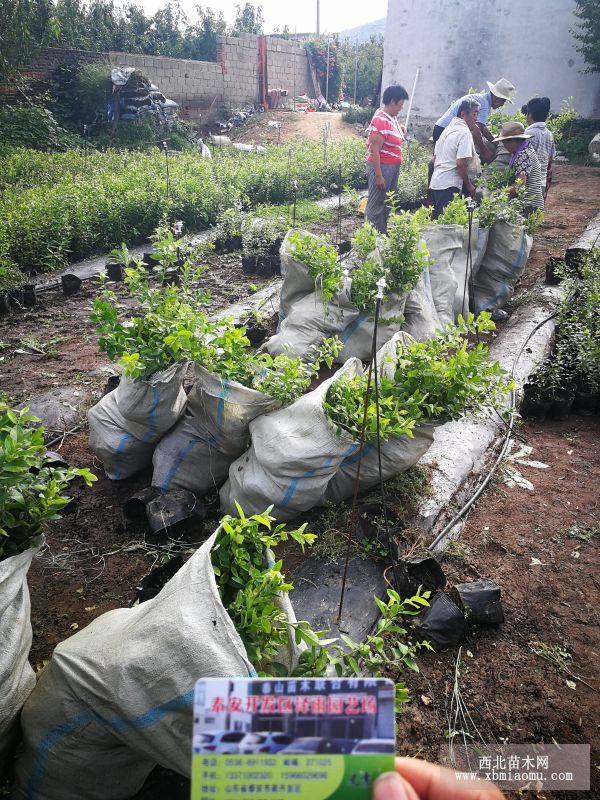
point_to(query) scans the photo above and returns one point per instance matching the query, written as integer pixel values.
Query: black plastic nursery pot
(415, 572)
(17, 298)
(70, 283)
(562, 402)
(443, 623)
(536, 402)
(171, 278)
(134, 508)
(480, 601)
(249, 264)
(150, 260)
(586, 403)
(256, 334)
(552, 278)
(29, 295)
(177, 513)
(115, 272)
(4, 303)
(344, 246)
(151, 585)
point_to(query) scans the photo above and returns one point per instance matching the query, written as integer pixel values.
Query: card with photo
(276, 738)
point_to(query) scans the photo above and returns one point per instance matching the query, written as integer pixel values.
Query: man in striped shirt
(525, 163)
(542, 139)
(384, 155)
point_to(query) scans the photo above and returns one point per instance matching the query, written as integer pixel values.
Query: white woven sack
(443, 243)
(17, 679)
(116, 698)
(397, 455)
(126, 424)
(505, 257)
(459, 270)
(294, 454)
(421, 319)
(296, 280)
(483, 235)
(310, 321)
(357, 338)
(197, 453)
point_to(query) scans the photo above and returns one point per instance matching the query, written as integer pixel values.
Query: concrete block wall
(463, 43)
(286, 61)
(230, 82)
(194, 85)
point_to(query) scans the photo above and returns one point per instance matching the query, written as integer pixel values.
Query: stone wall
(462, 43)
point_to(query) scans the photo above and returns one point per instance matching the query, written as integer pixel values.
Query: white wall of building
(462, 43)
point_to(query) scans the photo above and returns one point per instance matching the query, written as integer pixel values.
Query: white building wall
(462, 43)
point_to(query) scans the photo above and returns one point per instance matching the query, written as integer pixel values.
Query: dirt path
(294, 127)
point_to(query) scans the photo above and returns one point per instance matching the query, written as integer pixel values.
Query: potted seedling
(11, 279)
(229, 230)
(119, 260)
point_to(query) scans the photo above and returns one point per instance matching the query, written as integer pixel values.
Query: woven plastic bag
(126, 424)
(294, 454)
(17, 679)
(197, 453)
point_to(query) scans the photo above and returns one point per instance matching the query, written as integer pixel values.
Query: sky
(299, 15)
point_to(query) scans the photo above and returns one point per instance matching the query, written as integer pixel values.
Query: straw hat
(512, 130)
(503, 89)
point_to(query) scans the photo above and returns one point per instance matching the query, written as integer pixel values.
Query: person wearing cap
(526, 165)
(455, 158)
(384, 155)
(499, 93)
(542, 140)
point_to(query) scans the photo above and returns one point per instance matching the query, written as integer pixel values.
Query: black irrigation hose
(447, 528)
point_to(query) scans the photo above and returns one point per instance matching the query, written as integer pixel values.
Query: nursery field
(94, 558)
(538, 541)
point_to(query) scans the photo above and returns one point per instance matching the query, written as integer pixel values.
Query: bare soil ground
(294, 126)
(534, 545)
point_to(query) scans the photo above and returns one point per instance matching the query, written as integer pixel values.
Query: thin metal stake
(166, 149)
(339, 221)
(354, 515)
(381, 284)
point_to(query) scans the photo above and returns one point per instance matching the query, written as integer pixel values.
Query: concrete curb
(463, 450)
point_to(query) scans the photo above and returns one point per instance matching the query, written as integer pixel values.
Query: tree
(248, 20)
(370, 64)
(25, 26)
(588, 33)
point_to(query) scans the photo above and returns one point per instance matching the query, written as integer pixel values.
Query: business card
(310, 738)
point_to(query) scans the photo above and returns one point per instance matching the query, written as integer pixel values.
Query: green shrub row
(57, 207)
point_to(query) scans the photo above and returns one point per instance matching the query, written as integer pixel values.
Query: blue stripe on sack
(144, 720)
(151, 432)
(504, 291)
(221, 406)
(353, 459)
(293, 485)
(177, 461)
(119, 455)
(347, 333)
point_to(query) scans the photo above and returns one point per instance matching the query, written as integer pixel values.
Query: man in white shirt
(454, 154)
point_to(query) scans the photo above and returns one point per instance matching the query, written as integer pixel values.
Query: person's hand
(380, 181)
(403, 129)
(470, 189)
(420, 780)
